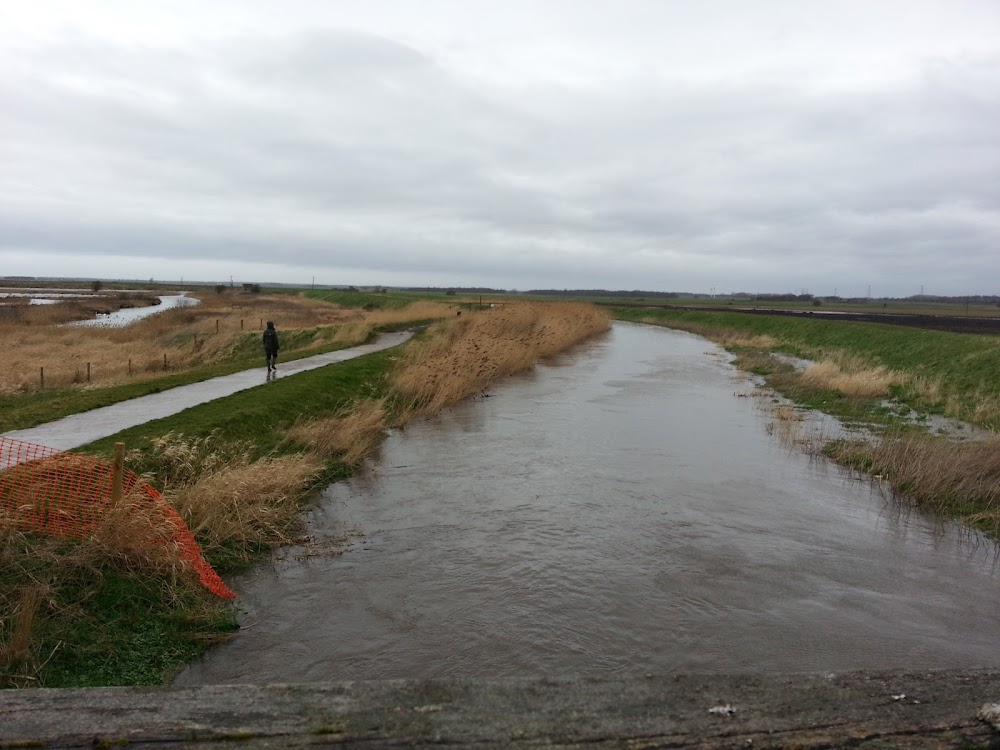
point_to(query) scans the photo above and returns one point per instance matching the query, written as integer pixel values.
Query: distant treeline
(454, 289)
(606, 293)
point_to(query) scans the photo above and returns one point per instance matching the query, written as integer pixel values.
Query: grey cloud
(355, 150)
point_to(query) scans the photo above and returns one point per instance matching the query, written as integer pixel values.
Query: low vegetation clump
(856, 380)
(954, 478)
(349, 437)
(233, 502)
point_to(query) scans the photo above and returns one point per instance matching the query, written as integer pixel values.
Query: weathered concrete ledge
(863, 710)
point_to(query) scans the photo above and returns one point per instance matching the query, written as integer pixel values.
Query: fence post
(216, 325)
(130, 367)
(117, 470)
(88, 372)
(41, 376)
(164, 360)
(241, 324)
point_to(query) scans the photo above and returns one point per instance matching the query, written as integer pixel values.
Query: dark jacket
(271, 344)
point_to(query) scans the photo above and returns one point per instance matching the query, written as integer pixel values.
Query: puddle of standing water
(617, 510)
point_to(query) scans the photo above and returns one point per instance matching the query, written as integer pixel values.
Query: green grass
(371, 300)
(128, 633)
(967, 366)
(259, 415)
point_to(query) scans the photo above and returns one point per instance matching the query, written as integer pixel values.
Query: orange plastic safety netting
(69, 494)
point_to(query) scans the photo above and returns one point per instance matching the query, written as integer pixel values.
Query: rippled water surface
(619, 510)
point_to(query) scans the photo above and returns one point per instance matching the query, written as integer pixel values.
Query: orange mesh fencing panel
(69, 494)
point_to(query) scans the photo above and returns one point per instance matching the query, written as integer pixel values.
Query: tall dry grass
(725, 337)
(852, 378)
(455, 359)
(19, 615)
(189, 337)
(465, 355)
(231, 501)
(350, 437)
(951, 477)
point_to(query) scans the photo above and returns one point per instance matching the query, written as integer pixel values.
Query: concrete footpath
(86, 427)
(858, 710)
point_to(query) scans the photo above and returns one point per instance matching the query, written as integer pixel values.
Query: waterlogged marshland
(617, 510)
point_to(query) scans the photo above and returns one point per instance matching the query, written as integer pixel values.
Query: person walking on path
(271, 346)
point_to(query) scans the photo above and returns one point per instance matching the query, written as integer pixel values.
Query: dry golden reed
(18, 612)
(136, 536)
(852, 377)
(950, 476)
(227, 496)
(726, 337)
(465, 355)
(350, 437)
(252, 504)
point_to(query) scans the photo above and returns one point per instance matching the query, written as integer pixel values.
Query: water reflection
(618, 510)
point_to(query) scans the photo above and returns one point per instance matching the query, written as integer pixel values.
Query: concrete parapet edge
(926, 709)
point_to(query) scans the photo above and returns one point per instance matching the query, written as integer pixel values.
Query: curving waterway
(128, 315)
(618, 510)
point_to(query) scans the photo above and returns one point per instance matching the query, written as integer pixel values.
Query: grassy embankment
(886, 376)
(239, 470)
(219, 336)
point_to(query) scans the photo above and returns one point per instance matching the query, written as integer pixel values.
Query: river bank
(110, 616)
(889, 381)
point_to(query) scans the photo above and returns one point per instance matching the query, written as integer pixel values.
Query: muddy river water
(619, 510)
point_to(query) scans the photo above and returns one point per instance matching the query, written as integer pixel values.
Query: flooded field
(621, 510)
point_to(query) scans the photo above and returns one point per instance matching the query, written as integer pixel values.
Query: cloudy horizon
(665, 146)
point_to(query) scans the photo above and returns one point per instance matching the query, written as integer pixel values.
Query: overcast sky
(627, 144)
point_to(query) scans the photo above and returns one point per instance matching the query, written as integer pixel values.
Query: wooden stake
(88, 372)
(41, 375)
(117, 470)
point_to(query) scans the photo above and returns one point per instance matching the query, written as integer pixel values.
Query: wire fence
(61, 493)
